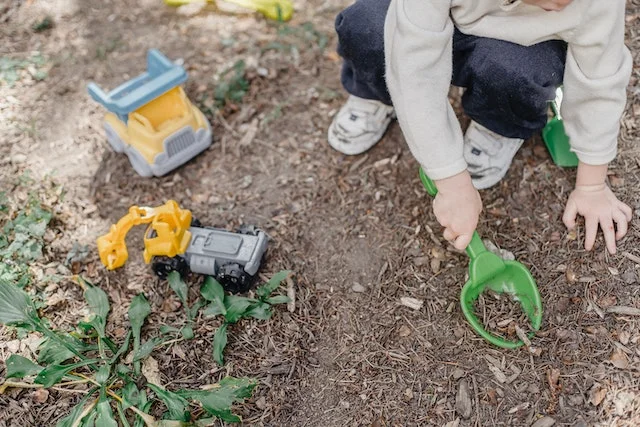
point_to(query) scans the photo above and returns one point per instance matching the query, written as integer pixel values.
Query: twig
(632, 257)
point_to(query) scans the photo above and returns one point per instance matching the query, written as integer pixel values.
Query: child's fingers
(591, 229)
(621, 224)
(609, 234)
(628, 212)
(448, 234)
(462, 241)
(569, 217)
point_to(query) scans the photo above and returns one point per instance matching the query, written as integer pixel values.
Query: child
(400, 57)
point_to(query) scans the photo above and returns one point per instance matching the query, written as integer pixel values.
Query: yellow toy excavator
(174, 241)
(167, 235)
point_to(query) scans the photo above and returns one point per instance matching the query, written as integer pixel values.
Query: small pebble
(358, 288)
(544, 422)
(458, 373)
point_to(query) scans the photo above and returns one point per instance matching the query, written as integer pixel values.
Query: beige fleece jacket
(418, 56)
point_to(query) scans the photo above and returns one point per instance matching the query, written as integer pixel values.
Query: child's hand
(457, 207)
(598, 205)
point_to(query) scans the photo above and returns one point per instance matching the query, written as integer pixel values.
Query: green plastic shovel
(556, 139)
(489, 271)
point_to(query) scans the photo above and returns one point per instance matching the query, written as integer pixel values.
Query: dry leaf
(620, 309)
(544, 422)
(250, 135)
(151, 371)
(404, 331)
(523, 336)
(500, 376)
(597, 395)
(619, 359)
(623, 337)
(413, 303)
(607, 301)
(40, 395)
(435, 265)
(291, 293)
(571, 275)
(553, 378)
(463, 400)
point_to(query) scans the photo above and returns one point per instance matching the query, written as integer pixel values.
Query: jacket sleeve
(596, 76)
(418, 60)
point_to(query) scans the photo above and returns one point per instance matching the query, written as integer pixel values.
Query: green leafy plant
(88, 355)
(232, 85)
(182, 290)
(11, 69)
(22, 237)
(293, 38)
(234, 307)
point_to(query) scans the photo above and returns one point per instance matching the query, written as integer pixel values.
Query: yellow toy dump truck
(152, 121)
(174, 241)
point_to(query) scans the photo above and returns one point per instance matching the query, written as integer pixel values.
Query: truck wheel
(234, 279)
(138, 162)
(195, 222)
(251, 230)
(163, 265)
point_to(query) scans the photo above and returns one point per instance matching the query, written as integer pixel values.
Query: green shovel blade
(555, 137)
(489, 271)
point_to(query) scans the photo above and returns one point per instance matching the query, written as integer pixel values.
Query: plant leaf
(79, 411)
(219, 343)
(54, 373)
(178, 286)
(138, 312)
(260, 311)
(214, 309)
(16, 307)
(265, 290)
(278, 299)
(236, 307)
(218, 401)
(105, 414)
(192, 311)
(212, 290)
(187, 332)
(122, 350)
(130, 395)
(177, 405)
(103, 374)
(53, 352)
(20, 367)
(98, 305)
(145, 349)
(90, 419)
(146, 406)
(122, 416)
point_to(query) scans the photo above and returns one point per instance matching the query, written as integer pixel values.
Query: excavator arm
(167, 235)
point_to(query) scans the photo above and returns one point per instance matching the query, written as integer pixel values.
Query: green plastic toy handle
(487, 270)
(475, 247)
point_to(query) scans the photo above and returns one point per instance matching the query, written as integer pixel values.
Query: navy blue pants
(507, 86)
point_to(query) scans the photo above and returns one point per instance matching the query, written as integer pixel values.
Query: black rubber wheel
(163, 265)
(251, 230)
(195, 222)
(234, 279)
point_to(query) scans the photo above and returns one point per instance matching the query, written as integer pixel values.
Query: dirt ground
(358, 232)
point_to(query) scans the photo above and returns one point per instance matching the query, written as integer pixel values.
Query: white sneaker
(488, 155)
(359, 125)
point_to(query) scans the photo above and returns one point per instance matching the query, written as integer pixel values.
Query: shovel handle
(475, 247)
